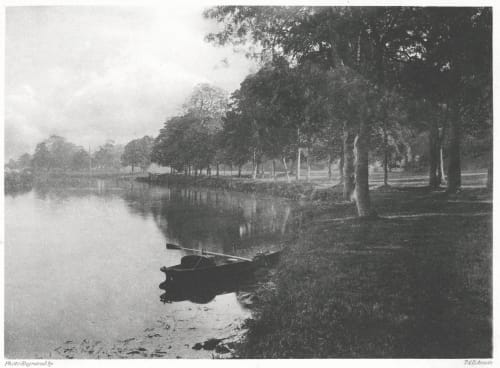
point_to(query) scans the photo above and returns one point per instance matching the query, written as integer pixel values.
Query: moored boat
(202, 269)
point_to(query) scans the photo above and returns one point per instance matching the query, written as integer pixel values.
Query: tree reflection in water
(227, 222)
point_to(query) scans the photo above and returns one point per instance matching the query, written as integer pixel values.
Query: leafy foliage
(191, 139)
(138, 153)
(107, 157)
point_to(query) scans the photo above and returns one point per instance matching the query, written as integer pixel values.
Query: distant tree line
(57, 154)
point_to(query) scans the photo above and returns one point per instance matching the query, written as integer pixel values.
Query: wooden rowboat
(203, 269)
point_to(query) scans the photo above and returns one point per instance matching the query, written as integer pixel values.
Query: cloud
(97, 73)
(129, 101)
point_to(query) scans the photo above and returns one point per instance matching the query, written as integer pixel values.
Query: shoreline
(302, 190)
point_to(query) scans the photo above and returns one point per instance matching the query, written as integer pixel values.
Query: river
(82, 267)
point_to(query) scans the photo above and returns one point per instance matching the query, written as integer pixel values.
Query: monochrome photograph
(203, 181)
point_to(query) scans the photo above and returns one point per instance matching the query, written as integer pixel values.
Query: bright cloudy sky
(96, 73)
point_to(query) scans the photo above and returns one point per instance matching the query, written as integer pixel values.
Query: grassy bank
(95, 174)
(415, 283)
(280, 188)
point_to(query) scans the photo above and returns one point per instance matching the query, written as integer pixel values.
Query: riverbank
(415, 283)
(23, 181)
(294, 190)
(84, 175)
(319, 187)
(20, 182)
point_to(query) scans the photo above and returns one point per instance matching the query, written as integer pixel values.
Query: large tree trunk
(434, 156)
(454, 170)
(348, 164)
(239, 171)
(286, 170)
(362, 187)
(274, 169)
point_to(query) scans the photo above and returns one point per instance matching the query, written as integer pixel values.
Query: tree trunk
(341, 164)
(408, 157)
(298, 165)
(308, 161)
(274, 169)
(297, 174)
(286, 170)
(239, 171)
(441, 173)
(386, 159)
(386, 170)
(434, 156)
(362, 144)
(454, 171)
(329, 167)
(254, 165)
(217, 169)
(132, 168)
(348, 165)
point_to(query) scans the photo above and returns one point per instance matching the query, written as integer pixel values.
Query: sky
(91, 74)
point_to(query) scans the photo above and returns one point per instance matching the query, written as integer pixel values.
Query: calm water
(83, 263)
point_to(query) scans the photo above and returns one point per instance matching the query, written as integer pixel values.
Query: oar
(175, 246)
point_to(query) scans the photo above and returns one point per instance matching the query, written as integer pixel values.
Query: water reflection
(202, 293)
(72, 247)
(226, 222)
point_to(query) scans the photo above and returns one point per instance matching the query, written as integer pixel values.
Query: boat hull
(209, 274)
(206, 273)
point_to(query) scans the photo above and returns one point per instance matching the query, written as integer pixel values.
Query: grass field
(415, 283)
